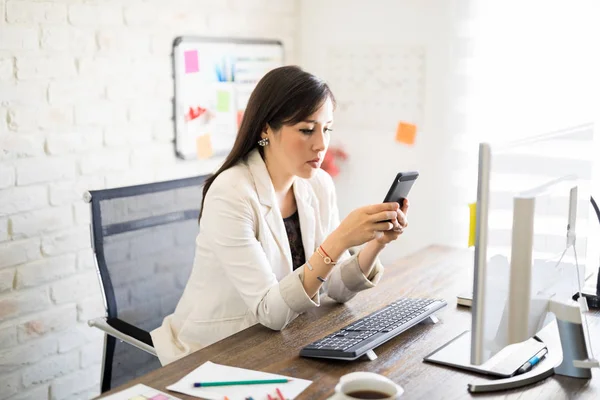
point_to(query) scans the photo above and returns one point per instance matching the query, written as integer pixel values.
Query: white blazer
(242, 273)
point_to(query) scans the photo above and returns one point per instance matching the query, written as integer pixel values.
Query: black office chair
(144, 240)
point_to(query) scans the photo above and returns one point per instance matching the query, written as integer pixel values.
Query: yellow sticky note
(406, 133)
(204, 146)
(472, 223)
(223, 99)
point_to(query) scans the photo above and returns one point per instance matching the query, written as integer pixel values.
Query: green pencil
(229, 383)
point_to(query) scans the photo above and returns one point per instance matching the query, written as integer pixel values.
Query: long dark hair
(285, 95)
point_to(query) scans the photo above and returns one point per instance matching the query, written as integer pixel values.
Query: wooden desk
(436, 271)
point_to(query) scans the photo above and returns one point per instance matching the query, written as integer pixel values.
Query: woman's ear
(265, 132)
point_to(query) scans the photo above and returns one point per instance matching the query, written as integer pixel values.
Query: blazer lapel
(272, 214)
(306, 214)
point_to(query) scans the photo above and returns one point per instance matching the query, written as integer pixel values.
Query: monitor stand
(567, 353)
(503, 364)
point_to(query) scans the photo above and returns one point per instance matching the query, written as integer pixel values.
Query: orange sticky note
(406, 133)
(204, 146)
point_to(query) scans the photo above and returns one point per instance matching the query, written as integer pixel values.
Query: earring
(263, 142)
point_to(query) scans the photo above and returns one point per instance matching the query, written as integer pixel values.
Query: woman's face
(299, 149)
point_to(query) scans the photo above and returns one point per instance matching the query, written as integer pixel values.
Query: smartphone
(400, 187)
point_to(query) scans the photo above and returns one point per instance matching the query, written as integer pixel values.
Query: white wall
(374, 156)
(494, 71)
(85, 89)
(539, 76)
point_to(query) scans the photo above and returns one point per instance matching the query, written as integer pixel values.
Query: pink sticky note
(191, 61)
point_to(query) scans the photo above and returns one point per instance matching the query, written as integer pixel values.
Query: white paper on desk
(211, 372)
(139, 392)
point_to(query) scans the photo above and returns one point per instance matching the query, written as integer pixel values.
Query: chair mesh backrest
(145, 246)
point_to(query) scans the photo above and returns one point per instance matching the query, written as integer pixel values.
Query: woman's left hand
(400, 225)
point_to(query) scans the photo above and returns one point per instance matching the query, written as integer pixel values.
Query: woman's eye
(307, 131)
(328, 130)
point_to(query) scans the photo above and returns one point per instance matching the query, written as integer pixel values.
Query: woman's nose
(320, 141)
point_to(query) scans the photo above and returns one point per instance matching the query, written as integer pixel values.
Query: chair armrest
(125, 332)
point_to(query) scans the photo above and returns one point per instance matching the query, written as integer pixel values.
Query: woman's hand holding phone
(400, 223)
(398, 193)
(367, 223)
(383, 222)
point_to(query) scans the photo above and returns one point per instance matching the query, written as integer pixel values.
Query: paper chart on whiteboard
(214, 78)
(377, 86)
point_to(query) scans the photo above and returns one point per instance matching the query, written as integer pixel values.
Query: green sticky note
(222, 101)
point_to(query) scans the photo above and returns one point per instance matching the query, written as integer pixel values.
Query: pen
(229, 383)
(532, 361)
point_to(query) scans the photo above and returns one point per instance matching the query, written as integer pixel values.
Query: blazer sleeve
(229, 223)
(346, 279)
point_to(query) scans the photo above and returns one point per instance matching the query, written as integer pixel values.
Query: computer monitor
(515, 290)
(521, 170)
(531, 195)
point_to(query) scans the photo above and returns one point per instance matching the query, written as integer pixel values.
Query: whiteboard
(213, 79)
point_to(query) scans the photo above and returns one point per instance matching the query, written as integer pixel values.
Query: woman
(270, 240)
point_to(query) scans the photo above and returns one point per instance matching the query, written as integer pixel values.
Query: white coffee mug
(355, 384)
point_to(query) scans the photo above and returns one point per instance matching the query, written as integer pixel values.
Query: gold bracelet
(326, 259)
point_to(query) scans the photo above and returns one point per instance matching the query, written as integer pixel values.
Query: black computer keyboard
(365, 334)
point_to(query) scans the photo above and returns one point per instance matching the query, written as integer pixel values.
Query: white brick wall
(23, 302)
(85, 104)
(20, 92)
(19, 251)
(17, 145)
(44, 169)
(27, 12)
(50, 368)
(43, 221)
(75, 41)
(6, 68)
(3, 229)
(7, 177)
(46, 270)
(54, 320)
(19, 38)
(7, 277)
(59, 66)
(10, 385)
(8, 336)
